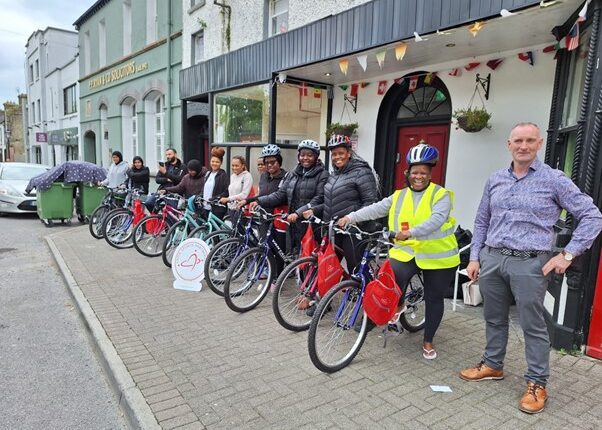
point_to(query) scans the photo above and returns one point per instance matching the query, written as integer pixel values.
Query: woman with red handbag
(420, 216)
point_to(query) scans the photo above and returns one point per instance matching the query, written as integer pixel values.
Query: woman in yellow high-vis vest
(420, 216)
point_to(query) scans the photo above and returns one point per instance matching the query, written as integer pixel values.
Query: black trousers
(347, 247)
(436, 282)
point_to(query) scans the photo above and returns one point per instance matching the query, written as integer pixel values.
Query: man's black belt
(516, 253)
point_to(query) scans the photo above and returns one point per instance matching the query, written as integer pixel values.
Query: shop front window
(301, 113)
(574, 91)
(242, 115)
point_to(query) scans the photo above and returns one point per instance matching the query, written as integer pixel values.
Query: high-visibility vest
(437, 250)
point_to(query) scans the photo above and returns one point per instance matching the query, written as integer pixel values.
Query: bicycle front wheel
(414, 317)
(248, 280)
(118, 227)
(338, 328)
(218, 263)
(176, 235)
(149, 235)
(96, 221)
(295, 292)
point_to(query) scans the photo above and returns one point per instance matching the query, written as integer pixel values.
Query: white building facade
(51, 82)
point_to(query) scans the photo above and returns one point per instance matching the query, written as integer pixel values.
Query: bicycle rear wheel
(96, 221)
(333, 341)
(118, 227)
(414, 317)
(176, 235)
(218, 262)
(294, 293)
(248, 280)
(149, 235)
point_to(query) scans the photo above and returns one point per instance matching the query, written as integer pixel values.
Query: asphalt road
(49, 375)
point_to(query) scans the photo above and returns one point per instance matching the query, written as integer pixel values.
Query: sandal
(429, 354)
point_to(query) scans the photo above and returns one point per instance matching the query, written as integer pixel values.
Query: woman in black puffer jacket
(301, 188)
(139, 175)
(351, 187)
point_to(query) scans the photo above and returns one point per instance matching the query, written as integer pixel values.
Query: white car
(14, 177)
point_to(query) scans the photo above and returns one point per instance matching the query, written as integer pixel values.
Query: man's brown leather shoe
(481, 372)
(534, 399)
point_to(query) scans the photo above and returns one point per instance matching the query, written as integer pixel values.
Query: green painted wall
(140, 76)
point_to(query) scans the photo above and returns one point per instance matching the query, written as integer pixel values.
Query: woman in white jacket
(117, 171)
(241, 183)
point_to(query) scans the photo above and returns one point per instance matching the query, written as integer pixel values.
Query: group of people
(511, 252)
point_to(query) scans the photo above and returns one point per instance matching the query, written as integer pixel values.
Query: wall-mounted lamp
(282, 77)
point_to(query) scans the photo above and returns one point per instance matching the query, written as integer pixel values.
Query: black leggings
(436, 282)
(348, 249)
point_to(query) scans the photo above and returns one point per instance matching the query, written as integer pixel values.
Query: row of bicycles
(245, 264)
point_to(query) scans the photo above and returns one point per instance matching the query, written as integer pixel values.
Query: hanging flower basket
(338, 128)
(472, 119)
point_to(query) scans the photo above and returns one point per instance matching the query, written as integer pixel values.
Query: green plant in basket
(338, 128)
(472, 119)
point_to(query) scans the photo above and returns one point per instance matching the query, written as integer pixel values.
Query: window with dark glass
(69, 100)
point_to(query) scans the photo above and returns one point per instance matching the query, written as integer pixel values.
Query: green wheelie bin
(55, 203)
(89, 198)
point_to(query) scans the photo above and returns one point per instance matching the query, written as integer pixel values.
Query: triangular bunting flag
(380, 57)
(413, 84)
(317, 93)
(471, 66)
(429, 78)
(353, 92)
(526, 57)
(583, 12)
(455, 72)
(344, 65)
(495, 63)
(364, 84)
(363, 60)
(344, 87)
(382, 88)
(400, 51)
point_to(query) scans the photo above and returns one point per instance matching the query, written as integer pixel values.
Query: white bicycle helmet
(270, 150)
(309, 144)
(422, 154)
(339, 140)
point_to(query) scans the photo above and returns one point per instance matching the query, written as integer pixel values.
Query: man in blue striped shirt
(511, 255)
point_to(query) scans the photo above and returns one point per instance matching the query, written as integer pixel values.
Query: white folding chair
(458, 273)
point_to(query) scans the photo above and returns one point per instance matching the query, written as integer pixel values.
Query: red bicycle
(150, 233)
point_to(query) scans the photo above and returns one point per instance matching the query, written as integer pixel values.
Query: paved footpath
(199, 365)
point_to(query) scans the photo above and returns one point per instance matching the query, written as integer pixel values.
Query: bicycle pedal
(392, 330)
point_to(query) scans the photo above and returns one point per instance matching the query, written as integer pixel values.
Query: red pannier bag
(308, 243)
(247, 212)
(329, 270)
(382, 295)
(138, 211)
(279, 224)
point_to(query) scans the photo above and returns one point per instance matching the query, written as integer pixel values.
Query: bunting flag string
(428, 77)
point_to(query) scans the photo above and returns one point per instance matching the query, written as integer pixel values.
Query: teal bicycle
(193, 225)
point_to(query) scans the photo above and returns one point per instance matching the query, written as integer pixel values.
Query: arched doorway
(90, 147)
(404, 119)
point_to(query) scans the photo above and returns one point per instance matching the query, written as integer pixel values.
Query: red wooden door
(434, 135)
